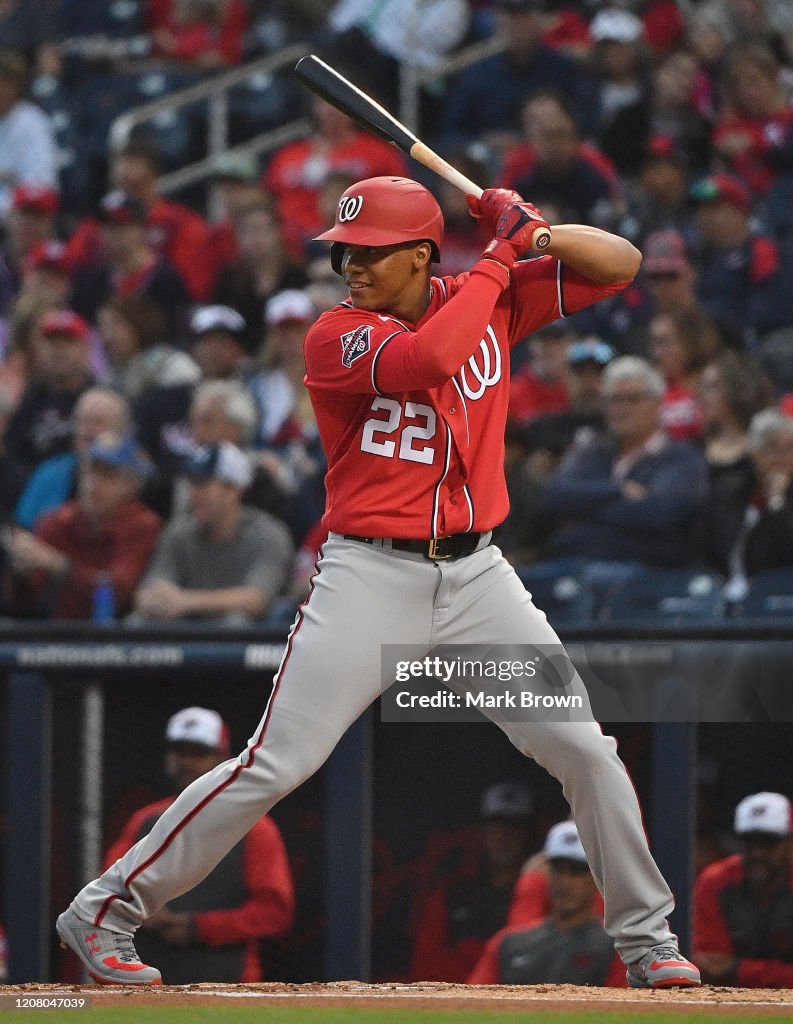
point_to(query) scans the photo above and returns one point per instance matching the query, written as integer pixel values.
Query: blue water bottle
(104, 606)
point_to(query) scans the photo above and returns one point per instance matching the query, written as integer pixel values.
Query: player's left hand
(491, 204)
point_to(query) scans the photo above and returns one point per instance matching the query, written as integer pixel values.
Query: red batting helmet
(384, 211)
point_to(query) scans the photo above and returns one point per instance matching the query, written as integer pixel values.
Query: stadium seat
(667, 595)
(770, 596)
(561, 595)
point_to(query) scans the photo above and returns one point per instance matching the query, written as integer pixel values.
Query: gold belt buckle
(432, 551)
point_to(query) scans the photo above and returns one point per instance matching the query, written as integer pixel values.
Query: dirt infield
(720, 1003)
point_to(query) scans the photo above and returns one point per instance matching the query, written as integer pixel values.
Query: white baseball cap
(224, 461)
(616, 26)
(764, 812)
(198, 725)
(562, 843)
(290, 304)
(217, 318)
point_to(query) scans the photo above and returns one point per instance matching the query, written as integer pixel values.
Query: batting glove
(491, 204)
(515, 233)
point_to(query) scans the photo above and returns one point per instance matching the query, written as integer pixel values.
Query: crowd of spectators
(139, 336)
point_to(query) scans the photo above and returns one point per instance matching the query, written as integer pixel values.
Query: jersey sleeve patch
(355, 344)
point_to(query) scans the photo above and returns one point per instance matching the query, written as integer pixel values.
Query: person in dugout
(213, 932)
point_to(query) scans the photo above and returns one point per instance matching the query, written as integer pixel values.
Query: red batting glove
(515, 231)
(491, 204)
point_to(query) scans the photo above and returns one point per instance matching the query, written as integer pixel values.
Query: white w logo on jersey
(489, 373)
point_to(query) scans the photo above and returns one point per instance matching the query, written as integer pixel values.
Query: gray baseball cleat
(109, 957)
(663, 967)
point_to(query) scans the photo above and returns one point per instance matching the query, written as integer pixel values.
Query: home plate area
(717, 1003)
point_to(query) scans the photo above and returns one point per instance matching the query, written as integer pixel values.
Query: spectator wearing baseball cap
(479, 893)
(105, 531)
(569, 946)
(177, 233)
(29, 222)
(280, 394)
(739, 279)
(217, 931)
(743, 904)
(128, 262)
(41, 425)
(222, 560)
(618, 59)
(218, 336)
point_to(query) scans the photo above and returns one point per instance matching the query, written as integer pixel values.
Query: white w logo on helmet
(349, 208)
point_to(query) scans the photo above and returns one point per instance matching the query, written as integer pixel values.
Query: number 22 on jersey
(420, 423)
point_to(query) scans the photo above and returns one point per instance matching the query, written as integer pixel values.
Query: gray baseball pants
(364, 597)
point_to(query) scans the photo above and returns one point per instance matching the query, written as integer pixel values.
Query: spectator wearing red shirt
(755, 131)
(298, 170)
(539, 386)
(743, 904)
(680, 344)
(212, 933)
(739, 279)
(130, 266)
(201, 34)
(30, 222)
(175, 232)
(554, 163)
(104, 531)
(566, 947)
(459, 915)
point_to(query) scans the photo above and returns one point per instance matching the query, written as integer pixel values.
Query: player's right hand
(516, 229)
(490, 205)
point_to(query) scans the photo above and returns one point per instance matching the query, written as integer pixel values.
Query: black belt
(456, 546)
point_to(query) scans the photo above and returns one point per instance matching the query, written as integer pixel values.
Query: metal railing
(215, 91)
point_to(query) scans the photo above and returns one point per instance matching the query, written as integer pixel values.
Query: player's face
(571, 887)
(766, 861)
(186, 762)
(380, 276)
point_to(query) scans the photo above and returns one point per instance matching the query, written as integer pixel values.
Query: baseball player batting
(409, 378)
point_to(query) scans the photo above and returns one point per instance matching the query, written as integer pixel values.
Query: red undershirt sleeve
(422, 359)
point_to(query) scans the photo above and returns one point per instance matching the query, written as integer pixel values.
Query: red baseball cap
(66, 322)
(665, 253)
(51, 254)
(35, 198)
(721, 188)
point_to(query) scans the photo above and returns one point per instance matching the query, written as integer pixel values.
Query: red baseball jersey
(415, 451)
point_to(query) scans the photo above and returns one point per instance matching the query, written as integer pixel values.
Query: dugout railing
(36, 659)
